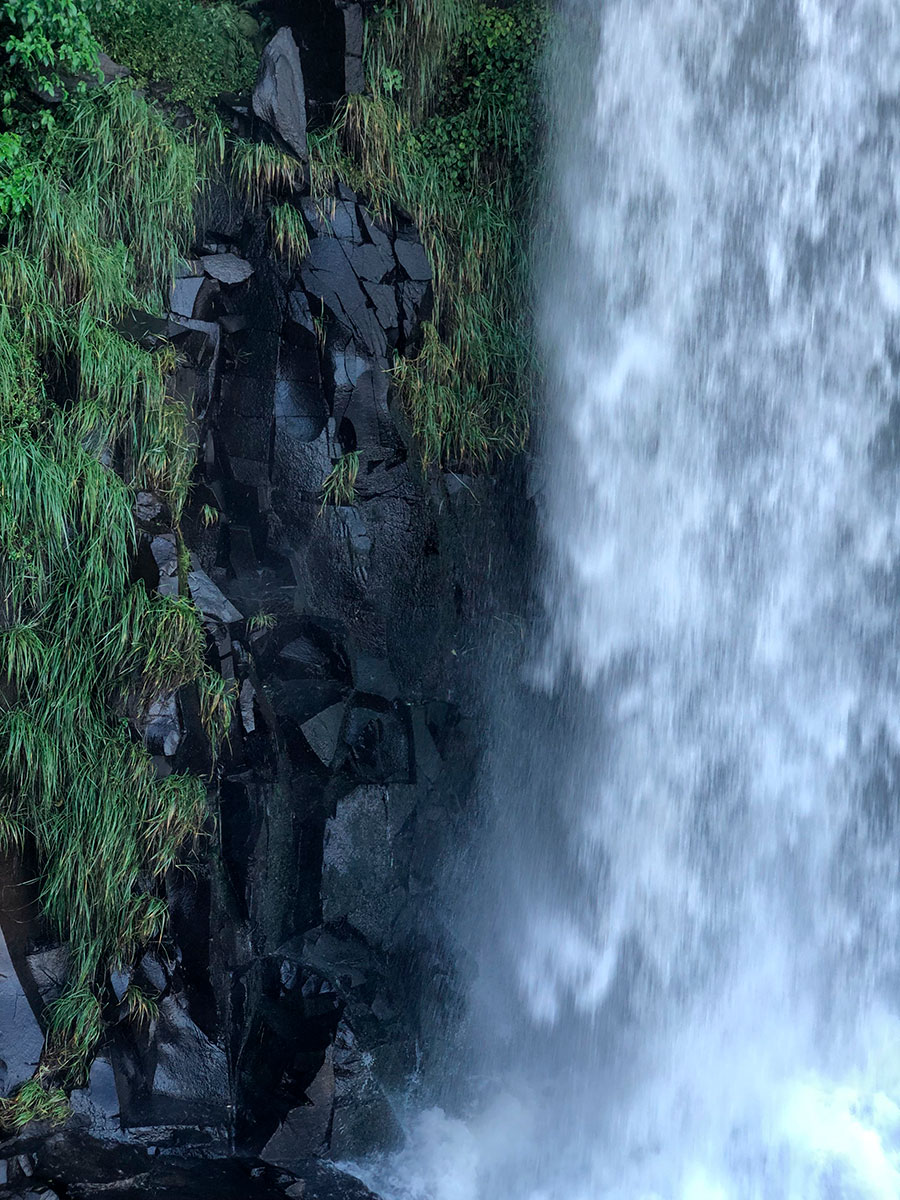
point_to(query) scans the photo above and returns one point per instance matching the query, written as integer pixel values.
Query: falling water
(686, 922)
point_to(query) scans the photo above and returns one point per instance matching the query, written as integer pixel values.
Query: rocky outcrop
(284, 1006)
(279, 97)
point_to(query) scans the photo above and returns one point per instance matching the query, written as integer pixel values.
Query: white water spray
(689, 966)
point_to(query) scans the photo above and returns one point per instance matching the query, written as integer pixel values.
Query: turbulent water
(685, 926)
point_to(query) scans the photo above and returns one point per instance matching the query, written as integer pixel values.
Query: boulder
(304, 1132)
(412, 258)
(363, 1121)
(184, 296)
(279, 97)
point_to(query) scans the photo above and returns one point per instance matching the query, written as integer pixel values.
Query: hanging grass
(339, 485)
(289, 234)
(111, 208)
(259, 170)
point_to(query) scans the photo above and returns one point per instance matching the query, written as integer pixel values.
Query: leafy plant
(339, 485)
(198, 50)
(15, 174)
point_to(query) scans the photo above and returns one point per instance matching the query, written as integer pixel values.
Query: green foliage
(141, 1008)
(446, 131)
(339, 485)
(15, 173)
(261, 622)
(43, 41)
(80, 645)
(198, 50)
(35, 1100)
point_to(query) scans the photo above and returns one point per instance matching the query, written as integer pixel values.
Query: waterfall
(686, 915)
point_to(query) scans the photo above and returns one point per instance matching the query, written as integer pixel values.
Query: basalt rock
(279, 97)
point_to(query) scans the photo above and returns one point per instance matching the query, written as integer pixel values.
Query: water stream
(685, 919)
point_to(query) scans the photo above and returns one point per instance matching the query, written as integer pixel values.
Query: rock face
(286, 1000)
(279, 97)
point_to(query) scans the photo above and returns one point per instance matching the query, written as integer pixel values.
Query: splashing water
(687, 921)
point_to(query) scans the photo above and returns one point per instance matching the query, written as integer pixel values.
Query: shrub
(198, 50)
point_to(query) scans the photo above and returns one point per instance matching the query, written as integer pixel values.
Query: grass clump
(339, 485)
(260, 169)
(446, 131)
(34, 1100)
(87, 418)
(289, 234)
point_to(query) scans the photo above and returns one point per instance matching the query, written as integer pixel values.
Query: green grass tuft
(339, 485)
(260, 170)
(289, 234)
(34, 1101)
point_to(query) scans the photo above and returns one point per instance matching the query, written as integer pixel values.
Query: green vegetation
(260, 170)
(41, 42)
(289, 234)
(446, 131)
(87, 418)
(262, 622)
(35, 1100)
(197, 49)
(339, 485)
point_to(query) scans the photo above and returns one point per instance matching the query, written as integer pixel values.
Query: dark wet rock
(21, 1038)
(210, 600)
(226, 268)
(323, 732)
(304, 1132)
(48, 969)
(111, 70)
(335, 219)
(373, 675)
(147, 507)
(279, 97)
(328, 274)
(184, 296)
(412, 258)
(354, 75)
(245, 705)
(173, 1075)
(160, 726)
(98, 1104)
(362, 869)
(363, 1121)
(378, 742)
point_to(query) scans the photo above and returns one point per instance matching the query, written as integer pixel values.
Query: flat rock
(412, 258)
(323, 732)
(227, 268)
